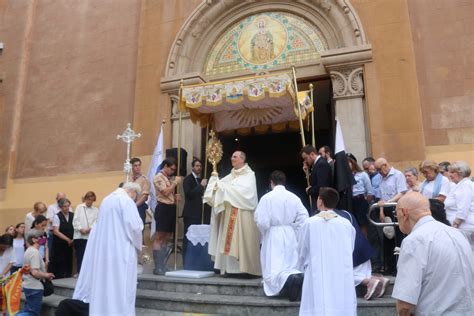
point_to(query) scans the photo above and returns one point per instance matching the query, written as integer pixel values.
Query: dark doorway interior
(272, 151)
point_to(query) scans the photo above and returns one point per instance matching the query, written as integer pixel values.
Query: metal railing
(377, 207)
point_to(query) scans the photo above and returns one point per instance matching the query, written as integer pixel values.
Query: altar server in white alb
(325, 246)
(108, 278)
(279, 216)
(234, 240)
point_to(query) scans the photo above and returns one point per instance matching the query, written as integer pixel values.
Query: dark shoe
(295, 287)
(156, 260)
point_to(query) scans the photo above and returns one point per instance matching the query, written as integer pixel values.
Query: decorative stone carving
(347, 83)
(175, 108)
(200, 27)
(337, 20)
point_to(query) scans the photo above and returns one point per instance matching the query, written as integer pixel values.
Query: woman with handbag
(32, 285)
(85, 217)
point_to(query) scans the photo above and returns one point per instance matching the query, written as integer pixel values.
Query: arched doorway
(208, 48)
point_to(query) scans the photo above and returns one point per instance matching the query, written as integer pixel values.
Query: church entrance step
(51, 303)
(215, 285)
(179, 298)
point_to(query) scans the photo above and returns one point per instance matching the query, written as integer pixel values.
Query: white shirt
(84, 217)
(53, 209)
(429, 187)
(435, 270)
(7, 257)
(29, 219)
(56, 222)
(460, 203)
(279, 216)
(19, 249)
(392, 184)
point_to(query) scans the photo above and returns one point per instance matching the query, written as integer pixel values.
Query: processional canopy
(243, 102)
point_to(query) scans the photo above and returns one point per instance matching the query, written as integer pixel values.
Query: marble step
(225, 304)
(379, 307)
(215, 285)
(51, 303)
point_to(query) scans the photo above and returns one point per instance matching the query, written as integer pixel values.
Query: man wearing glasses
(392, 187)
(435, 265)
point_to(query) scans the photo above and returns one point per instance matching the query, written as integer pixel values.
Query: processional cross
(128, 136)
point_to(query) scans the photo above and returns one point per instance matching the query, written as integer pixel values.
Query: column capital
(175, 108)
(347, 83)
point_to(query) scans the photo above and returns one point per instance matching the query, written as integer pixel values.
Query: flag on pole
(11, 292)
(343, 178)
(155, 165)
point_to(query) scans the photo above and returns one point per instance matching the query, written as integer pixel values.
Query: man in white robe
(108, 278)
(234, 240)
(325, 246)
(279, 216)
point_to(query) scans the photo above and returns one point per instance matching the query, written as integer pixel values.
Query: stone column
(348, 94)
(190, 132)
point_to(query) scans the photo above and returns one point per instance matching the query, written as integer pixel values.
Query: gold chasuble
(234, 240)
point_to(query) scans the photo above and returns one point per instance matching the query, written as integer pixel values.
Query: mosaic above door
(263, 41)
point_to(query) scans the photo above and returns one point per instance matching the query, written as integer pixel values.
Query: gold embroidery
(230, 230)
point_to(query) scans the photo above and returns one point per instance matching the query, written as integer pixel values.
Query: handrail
(376, 206)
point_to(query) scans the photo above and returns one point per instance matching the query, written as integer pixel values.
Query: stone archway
(348, 51)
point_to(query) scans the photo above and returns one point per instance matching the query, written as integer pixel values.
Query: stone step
(379, 307)
(198, 302)
(214, 285)
(51, 303)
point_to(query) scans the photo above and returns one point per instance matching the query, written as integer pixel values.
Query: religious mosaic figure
(262, 44)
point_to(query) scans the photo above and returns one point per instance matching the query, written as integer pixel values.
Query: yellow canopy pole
(303, 141)
(205, 169)
(312, 115)
(178, 174)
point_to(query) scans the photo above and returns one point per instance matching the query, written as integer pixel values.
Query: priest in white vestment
(234, 240)
(279, 216)
(325, 246)
(108, 278)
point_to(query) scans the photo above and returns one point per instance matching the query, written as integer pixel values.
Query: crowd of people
(44, 243)
(300, 254)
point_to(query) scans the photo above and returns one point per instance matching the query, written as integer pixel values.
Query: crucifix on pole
(128, 136)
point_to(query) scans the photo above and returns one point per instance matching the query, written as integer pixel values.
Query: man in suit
(321, 174)
(194, 188)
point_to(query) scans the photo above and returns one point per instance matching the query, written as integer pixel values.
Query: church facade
(397, 74)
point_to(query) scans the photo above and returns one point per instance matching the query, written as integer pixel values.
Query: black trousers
(72, 307)
(61, 263)
(142, 212)
(188, 221)
(390, 261)
(80, 246)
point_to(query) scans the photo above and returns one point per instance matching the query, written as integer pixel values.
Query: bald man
(392, 187)
(234, 241)
(435, 267)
